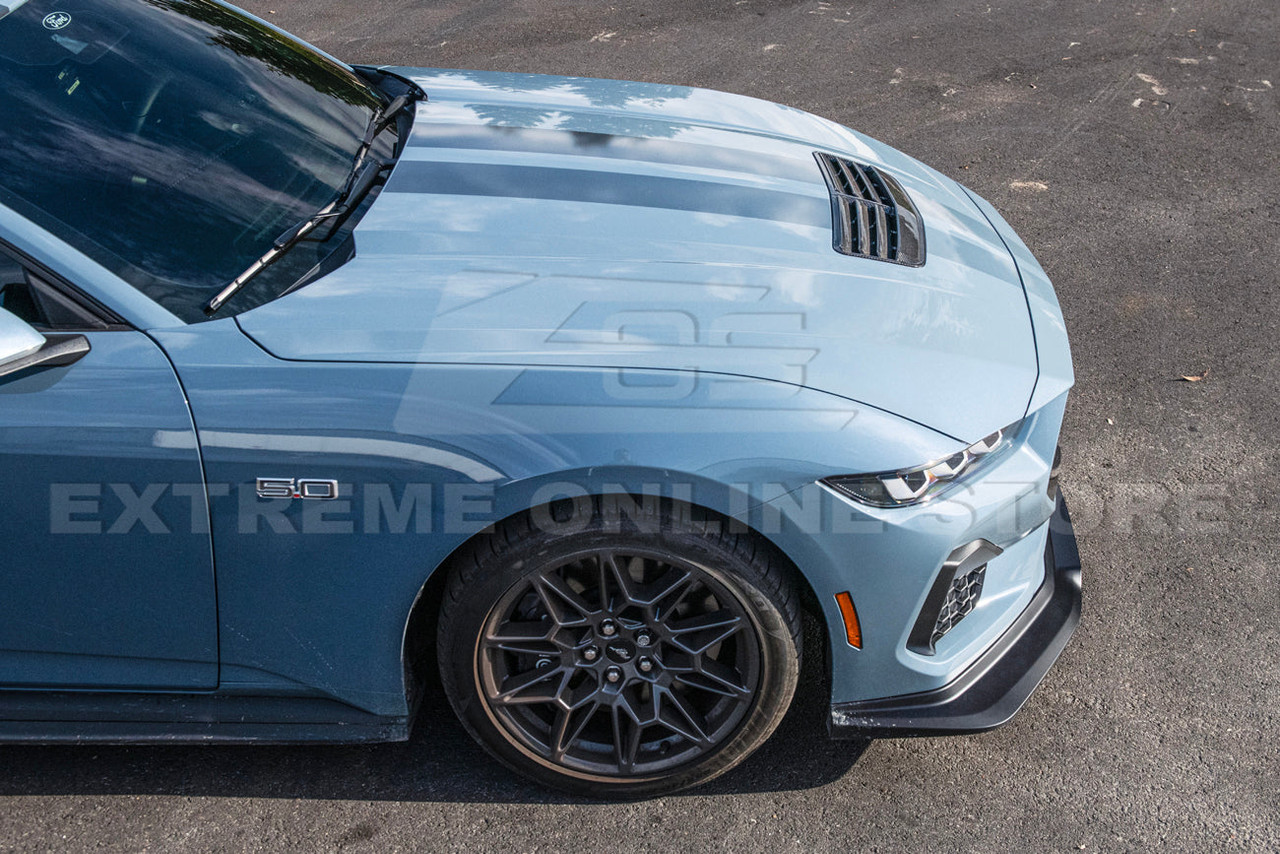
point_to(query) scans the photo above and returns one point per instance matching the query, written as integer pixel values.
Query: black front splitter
(992, 689)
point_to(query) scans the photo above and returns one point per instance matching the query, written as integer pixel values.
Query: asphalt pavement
(1134, 146)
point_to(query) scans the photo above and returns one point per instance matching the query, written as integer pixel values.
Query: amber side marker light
(852, 630)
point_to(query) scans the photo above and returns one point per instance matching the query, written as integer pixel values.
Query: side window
(15, 293)
(25, 293)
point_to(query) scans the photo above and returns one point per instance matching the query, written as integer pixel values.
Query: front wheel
(623, 658)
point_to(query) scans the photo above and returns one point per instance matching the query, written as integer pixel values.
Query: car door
(106, 573)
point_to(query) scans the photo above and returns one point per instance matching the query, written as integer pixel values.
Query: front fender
(314, 594)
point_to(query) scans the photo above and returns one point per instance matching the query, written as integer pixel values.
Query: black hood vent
(872, 216)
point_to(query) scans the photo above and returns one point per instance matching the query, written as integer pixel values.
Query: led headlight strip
(917, 485)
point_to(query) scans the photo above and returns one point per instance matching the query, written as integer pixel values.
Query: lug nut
(644, 638)
(590, 654)
(608, 628)
(645, 664)
(613, 674)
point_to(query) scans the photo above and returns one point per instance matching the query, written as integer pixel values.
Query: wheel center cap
(620, 651)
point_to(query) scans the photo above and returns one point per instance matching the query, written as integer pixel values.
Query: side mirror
(21, 347)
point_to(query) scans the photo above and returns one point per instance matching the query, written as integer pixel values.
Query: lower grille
(954, 595)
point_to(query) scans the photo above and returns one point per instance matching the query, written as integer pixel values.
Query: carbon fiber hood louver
(872, 215)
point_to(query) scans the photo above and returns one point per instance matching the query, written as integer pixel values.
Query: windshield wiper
(359, 181)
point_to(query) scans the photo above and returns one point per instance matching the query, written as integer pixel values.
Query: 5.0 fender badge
(288, 487)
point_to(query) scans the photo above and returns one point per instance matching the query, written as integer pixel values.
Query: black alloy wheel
(620, 660)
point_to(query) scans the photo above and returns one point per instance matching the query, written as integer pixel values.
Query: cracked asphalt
(1133, 145)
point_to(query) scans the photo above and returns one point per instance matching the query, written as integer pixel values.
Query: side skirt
(73, 717)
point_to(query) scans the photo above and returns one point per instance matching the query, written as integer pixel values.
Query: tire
(619, 653)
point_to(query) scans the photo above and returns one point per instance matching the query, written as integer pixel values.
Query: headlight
(922, 483)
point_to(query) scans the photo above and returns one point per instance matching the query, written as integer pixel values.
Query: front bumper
(990, 690)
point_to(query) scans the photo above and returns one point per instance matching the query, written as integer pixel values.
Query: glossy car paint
(595, 223)
(517, 326)
(98, 594)
(491, 440)
(1053, 353)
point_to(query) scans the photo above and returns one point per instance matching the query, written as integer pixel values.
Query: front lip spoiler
(992, 689)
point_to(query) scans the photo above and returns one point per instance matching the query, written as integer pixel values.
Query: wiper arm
(358, 183)
(282, 244)
(383, 117)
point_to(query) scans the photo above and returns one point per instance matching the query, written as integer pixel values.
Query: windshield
(173, 140)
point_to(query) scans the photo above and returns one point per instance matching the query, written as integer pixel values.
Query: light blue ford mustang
(313, 377)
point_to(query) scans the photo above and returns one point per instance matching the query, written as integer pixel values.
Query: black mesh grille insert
(872, 215)
(953, 596)
(961, 599)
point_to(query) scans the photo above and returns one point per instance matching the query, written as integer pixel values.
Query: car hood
(558, 221)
